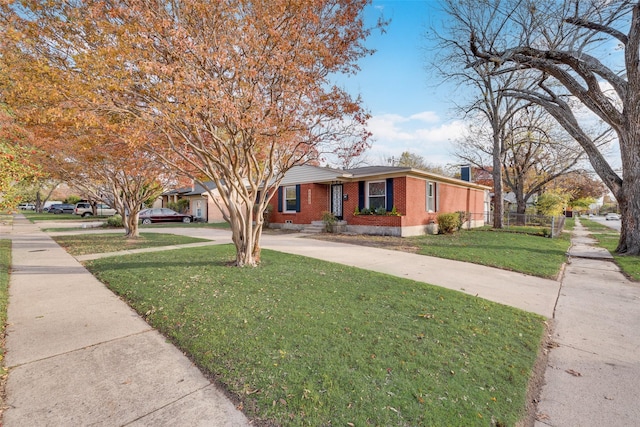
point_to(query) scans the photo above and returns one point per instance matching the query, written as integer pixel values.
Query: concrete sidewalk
(78, 355)
(593, 375)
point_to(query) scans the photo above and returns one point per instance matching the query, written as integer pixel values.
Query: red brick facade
(314, 200)
(409, 199)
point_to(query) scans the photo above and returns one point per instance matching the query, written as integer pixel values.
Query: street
(615, 224)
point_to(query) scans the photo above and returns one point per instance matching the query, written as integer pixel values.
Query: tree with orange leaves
(15, 159)
(240, 90)
(96, 150)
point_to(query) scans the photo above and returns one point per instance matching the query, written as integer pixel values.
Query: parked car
(147, 216)
(84, 209)
(49, 203)
(27, 207)
(612, 217)
(62, 208)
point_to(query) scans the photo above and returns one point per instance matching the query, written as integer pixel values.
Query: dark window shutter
(360, 195)
(279, 199)
(389, 194)
(298, 198)
(437, 195)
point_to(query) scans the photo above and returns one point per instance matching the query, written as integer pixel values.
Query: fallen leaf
(574, 373)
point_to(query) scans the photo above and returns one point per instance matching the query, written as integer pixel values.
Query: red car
(147, 216)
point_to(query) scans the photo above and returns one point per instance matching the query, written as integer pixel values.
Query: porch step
(315, 227)
(319, 227)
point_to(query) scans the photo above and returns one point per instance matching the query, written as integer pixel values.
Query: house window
(377, 194)
(431, 196)
(290, 199)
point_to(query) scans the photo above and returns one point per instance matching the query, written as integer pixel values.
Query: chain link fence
(550, 226)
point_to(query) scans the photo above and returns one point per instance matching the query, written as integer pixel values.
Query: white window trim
(433, 197)
(284, 199)
(366, 195)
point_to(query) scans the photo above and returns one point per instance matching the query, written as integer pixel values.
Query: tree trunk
(498, 203)
(245, 235)
(628, 197)
(521, 205)
(130, 223)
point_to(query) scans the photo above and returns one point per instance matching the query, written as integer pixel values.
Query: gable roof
(315, 174)
(383, 172)
(191, 190)
(305, 174)
(377, 170)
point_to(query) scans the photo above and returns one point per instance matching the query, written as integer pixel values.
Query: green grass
(5, 265)
(594, 226)
(306, 342)
(630, 265)
(45, 216)
(569, 224)
(83, 244)
(525, 253)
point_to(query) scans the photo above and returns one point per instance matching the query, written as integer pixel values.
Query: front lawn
(82, 244)
(46, 216)
(528, 254)
(301, 341)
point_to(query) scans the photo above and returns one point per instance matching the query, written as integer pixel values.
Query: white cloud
(421, 133)
(443, 133)
(426, 116)
(385, 127)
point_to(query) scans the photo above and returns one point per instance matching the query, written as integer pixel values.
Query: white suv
(84, 209)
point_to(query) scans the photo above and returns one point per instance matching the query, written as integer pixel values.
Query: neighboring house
(201, 206)
(416, 196)
(511, 204)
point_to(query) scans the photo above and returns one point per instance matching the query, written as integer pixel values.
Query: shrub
(381, 211)
(448, 223)
(180, 206)
(72, 200)
(115, 221)
(464, 217)
(329, 220)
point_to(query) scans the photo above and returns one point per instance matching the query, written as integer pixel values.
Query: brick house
(416, 196)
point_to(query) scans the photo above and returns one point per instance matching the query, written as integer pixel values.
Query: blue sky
(410, 110)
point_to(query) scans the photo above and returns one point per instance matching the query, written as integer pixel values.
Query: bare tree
(568, 46)
(412, 160)
(534, 153)
(455, 62)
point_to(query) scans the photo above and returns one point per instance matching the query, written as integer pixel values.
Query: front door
(336, 200)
